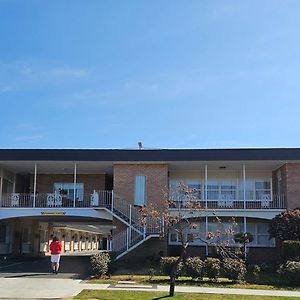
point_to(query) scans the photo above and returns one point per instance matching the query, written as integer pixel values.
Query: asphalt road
(74, 267)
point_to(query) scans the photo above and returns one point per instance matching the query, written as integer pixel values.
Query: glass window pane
(262, 228)
(173, 237)
(212, 195)
(228, 184)
(212, 184)
(140, 190)
(262, 184)
(263, 240)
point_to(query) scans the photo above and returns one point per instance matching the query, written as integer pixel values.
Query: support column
(244, 185)
(34, 184)
(75, 179)
(1, 185)
(205, 186)
(245, 230)
(14, 183)
(206, 233)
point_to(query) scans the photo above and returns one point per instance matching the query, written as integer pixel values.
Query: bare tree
(177, 213)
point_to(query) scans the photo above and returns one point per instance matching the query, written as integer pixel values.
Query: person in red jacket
(55, 248)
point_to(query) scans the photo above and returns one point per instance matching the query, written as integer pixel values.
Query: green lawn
(134, 295)
(221, 282)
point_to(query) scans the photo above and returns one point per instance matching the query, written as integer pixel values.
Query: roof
(160, 155)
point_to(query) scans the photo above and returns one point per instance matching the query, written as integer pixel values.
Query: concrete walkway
(46, 288)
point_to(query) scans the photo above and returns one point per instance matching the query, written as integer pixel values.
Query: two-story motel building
(90, 198)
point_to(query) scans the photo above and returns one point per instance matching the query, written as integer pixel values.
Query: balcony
(264, 202)
(51, 200)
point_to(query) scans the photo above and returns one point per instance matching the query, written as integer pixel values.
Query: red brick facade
(289, 185)
(157, 181)
(91, 181)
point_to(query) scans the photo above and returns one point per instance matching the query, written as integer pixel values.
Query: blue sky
(172, 74)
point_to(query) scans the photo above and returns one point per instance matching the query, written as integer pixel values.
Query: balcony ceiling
(98, 167)
(58, 167)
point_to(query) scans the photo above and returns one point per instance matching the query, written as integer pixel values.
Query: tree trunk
(172, 285)
(174, 271)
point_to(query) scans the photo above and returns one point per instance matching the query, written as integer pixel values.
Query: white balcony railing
(20, 200)
(264, 202)
(105, 199)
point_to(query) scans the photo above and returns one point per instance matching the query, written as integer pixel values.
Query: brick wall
(259, 255)
(175, 250)
(293, 185)
(91, 181)
(157, 180)
(153, 247)
(289, 184)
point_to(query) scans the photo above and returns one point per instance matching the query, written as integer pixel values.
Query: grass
(137, 295)
(221, 282)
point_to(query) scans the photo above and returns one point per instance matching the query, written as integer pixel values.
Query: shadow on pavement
(75, 267)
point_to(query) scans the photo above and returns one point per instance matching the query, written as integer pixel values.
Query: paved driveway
(75, 267)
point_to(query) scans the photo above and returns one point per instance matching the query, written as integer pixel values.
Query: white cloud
(29, 138)
(34, 73)
(6, 89)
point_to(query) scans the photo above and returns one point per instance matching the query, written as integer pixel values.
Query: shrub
(243, 237)
(290, 271)
(286, 226)
(194, 267)
(291, 249)
(254, 272)
(100, 263)
(112, 264)
(167, 263)
(212, 267)
(234, 269)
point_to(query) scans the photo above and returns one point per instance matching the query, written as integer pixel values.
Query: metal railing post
(127, 238)
(130, 221)
(112, 201)
(144, 232)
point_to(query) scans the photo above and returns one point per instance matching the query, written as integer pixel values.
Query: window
(262, 189)
(194, 185)
(260, 235)
(193, 236)
(66, 190)
(140, 190)
(256, 189)
(225, 189)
